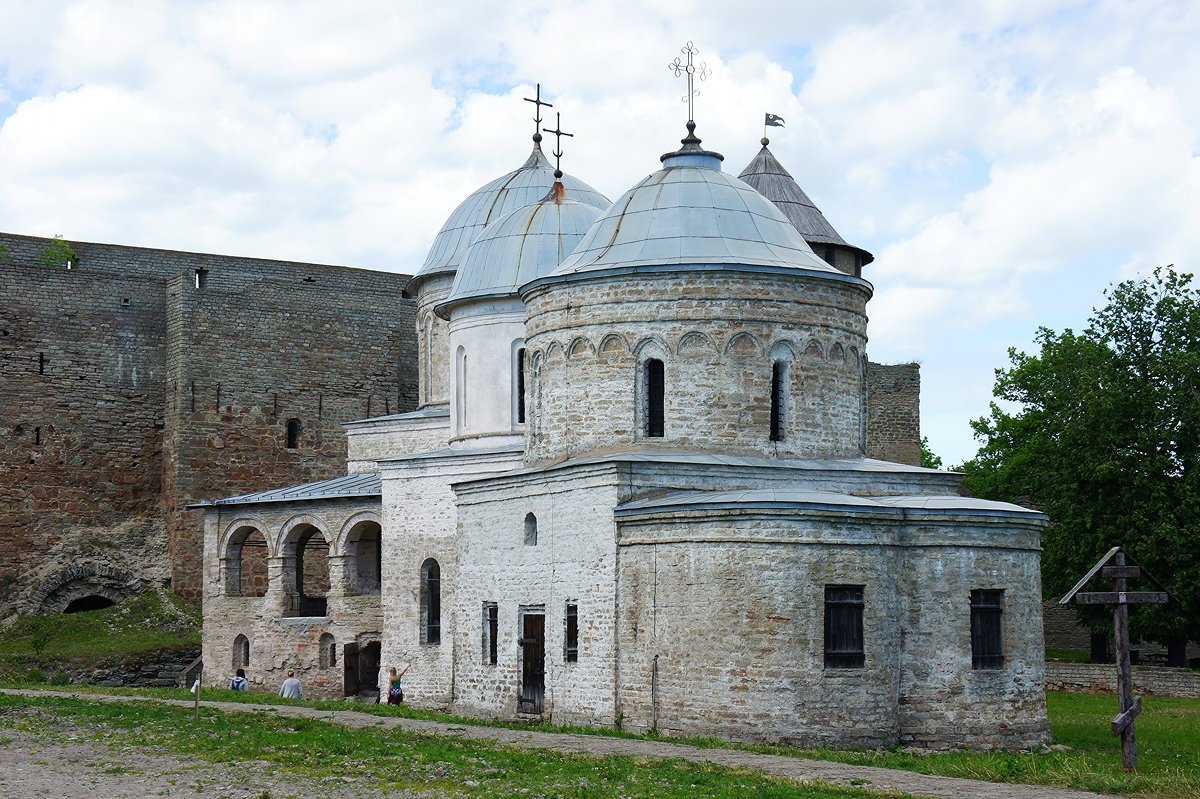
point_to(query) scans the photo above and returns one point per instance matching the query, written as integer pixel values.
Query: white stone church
(636, 493)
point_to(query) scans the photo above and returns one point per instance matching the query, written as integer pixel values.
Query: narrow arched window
(241, 652)
(779, 381)
(520, 387)
(293, 433)
(431, 602)
(460, 388)
(530, 530)
(655, 380)
(327, 656)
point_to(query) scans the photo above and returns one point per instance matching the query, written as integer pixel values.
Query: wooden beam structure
(1113, 566)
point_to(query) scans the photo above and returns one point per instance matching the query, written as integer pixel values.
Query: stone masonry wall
(717, 335)
(421, 523)
(894, 412)
(1101, 678)
(81, 424)
(100, 447)
(573, 562)
(323, 353)
(278, 638)
(721, 628)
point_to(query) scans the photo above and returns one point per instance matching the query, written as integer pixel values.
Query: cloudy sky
(1004, 160)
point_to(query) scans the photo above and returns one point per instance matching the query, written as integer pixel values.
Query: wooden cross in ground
(1113, 565)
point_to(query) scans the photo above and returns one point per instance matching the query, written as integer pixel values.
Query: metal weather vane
(558, 133)
(538, 102)
(692, 71)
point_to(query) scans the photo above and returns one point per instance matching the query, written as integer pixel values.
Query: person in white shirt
(291, 688)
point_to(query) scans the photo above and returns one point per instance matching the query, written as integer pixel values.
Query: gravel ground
(70, 766)
(793, 768)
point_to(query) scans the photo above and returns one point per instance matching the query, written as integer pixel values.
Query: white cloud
(978, 151)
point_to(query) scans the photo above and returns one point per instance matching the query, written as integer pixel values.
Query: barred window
(844, 627)
(491, 631)
(779, 374)
(572, 638)
(431, 602)
(987, 640)
(656, 386)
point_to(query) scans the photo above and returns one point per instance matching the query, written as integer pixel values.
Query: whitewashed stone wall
(945, 701)
(421, 522)
(484, 338)
(574, 561)
(373, 440)
(732, 602)
(433, 341)
(717, 334)
(278, 639)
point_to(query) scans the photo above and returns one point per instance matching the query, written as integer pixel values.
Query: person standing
(239, 681)
(395, 693)
(291, 688)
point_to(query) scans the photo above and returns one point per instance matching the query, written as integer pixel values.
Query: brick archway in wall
(72, 586)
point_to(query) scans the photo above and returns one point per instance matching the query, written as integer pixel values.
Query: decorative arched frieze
(613, 344)
(837, 353)
(580, 346)
(696, 344)
(743, 344)
(814, 350)
(651, 347)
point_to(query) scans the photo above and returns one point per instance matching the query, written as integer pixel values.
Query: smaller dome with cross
(520, 246)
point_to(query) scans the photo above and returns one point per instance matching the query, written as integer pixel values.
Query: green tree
(58, 253)
(1106, 440)
(5, 258)
(928, 459)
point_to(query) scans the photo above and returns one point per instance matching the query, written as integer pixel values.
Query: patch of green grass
(1068, 655)
(152, 621)
(397, 760)
(1168, 743)
(1168, 733)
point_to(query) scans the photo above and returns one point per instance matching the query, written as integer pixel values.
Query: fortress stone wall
(894, 412)
(142, 380)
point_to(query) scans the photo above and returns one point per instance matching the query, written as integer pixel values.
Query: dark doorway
(86, 603)
(350, 669)
(368, 669)
(533, 663)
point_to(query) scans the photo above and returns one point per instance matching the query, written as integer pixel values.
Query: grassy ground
(1168, 744)
(393, 759)
(152, 621)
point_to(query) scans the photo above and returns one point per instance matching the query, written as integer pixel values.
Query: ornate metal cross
(558, 133)
(692, 71)
(537, 112)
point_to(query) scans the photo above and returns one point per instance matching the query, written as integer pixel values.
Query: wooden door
(350, 670)
(533, 663)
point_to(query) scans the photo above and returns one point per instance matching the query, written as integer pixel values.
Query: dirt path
(73, 767)
(794, 768)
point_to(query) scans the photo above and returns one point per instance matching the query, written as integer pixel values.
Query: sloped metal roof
(801, 498)
(690, 212)
(350, 485)
(522, 245)
(771, 180)
(487, 203)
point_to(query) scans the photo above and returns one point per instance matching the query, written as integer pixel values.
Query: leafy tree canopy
(929, 459)
(58, 253)
(1106, 440)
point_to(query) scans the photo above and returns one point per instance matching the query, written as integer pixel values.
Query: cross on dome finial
(537, 113)
(558, 134)
(692, 71)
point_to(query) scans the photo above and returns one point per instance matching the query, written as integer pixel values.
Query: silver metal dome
(690, 212)
(514, 190)
(522, 245)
